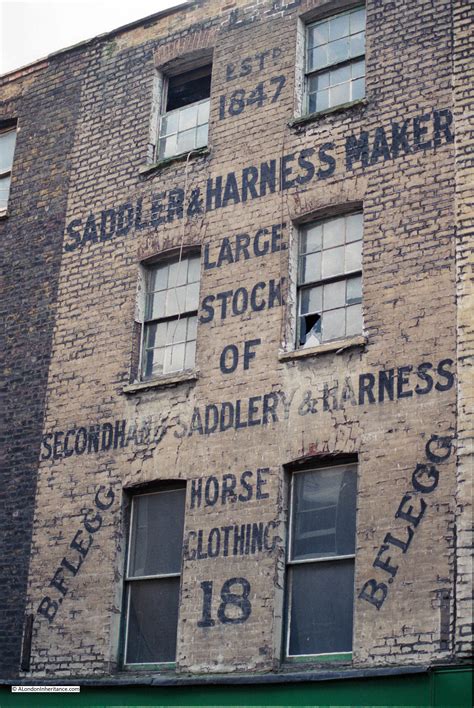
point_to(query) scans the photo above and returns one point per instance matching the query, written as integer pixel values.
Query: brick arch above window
(184, 53)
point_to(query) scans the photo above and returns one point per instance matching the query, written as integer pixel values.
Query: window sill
(338, 346)
(3, 214)
(148, 170)
(313, 117)
(319, 658)
(163, 667)
(162, 381)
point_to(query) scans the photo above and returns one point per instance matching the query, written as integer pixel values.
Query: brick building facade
(238, 394)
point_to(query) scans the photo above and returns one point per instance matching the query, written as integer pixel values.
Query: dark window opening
(189, 87)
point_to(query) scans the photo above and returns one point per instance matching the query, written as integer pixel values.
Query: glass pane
(150, 336)
(333, 262)
(149, 364)
(358, 69)
(311, 300)
(7, 148)
(157, 533)
(318, 58)
(357, 20)
(174, 358)
(192, 297)
(156, 305)
(152, 621)
(339, 94)
(318, 83)
(338, 50)
(188, 117)
(311, 239)
(323, 513)
(161, 334)
(357, 44)
(167, 147)
(192, 328)
(354, 290)
(333, 233)
(334, 324)
(354, 226)
(320, 101)
(169, 123)
(202, 135)
(177, 274)
(190, 357)
(4, 191)
(358, 89)
(318, 34)
(310, 268)
(155, 359)
(338, 27)
(334, 295)
(203, 113)
(321, 608)
(353, 256)
(194, 269)
(186, 141)
(354, 319)
(338, 76)
(175, 301)
(177, 331)
(159, 277)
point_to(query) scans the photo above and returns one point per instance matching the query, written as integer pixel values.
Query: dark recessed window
(320, 568)
(153, 576)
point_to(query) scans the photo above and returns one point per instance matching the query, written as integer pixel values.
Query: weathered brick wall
(44, 100)
(285, 407)
(463, 64)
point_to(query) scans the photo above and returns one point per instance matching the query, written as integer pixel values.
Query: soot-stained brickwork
(255, 407)
(44, 103)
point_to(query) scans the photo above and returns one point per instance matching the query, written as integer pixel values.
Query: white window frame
(179, 117)
(334, 69)
(150, 319)
(307, 284)
(7, 173)
(130, 579)
(307, 561)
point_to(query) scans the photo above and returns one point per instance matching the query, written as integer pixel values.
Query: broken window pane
(310, 330)
(341, 242)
